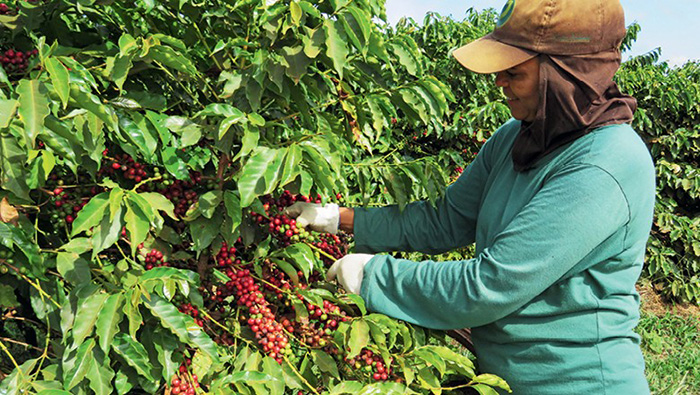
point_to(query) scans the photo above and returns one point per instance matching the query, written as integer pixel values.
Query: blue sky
(673, 25)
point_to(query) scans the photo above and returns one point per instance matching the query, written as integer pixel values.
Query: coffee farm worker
(559, 202)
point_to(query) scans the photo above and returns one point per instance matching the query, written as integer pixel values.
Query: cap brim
(487, 55)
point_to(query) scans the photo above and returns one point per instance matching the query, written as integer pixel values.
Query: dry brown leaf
(8, 212)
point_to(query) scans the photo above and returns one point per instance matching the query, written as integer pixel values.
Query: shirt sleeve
(575, 211)
(450, 224)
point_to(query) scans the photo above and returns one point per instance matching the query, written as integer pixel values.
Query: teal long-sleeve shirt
(550, 294)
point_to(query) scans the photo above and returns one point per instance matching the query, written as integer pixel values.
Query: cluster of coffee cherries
(419, 135)
(282, 228)
(184, 383)
(182, 193)
(65, 203)
(276, 281)
(261, 320)
(5, 257)
(225, 260)
(67, 207)
(5, 9)
(126, 165)
(15, 62)
(333, 246)
(227, 256)
(372, 364)
(287, 199)
(285, 230)
(180, 385)
(318, 328)
(154, 258)
(249, 295)
(192, 311)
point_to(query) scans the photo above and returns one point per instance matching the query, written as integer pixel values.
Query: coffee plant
(669, 121)
(148, 151)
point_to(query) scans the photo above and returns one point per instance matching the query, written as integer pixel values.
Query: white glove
(349, 270)
(319, 218)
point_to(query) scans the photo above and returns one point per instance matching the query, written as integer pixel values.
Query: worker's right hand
(349, 270)
(321, 218)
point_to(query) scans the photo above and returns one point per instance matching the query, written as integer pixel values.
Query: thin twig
(311, 387)
(21, 343)
(36, 286)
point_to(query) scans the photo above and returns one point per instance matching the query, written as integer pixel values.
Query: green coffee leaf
(325, 363)
(183, 326)
(7, 296)
(166, 346)
(7, 112)
(209, 202)
(232, 203)
(77, 366)
(297, 62)
(427, 378)
(159, 203)
(483, 389)
(403, 47)
(313, 41)
(359, 337)
(134, 354)
(115, 201)
(120, 70)
(107, 233)
(108, 319)
(86, 317)
(100, 373)
(11, 235)
(256, 173)
(172, 59)
(346, 388)
(60, 79)
(204, 230)
(91, 214)
(85, 99)
(137, 224)
(139, 137)
(12, 173)
(73, 268)
(301, 255)
(33, 108)
(124, 380)
(386, 388)
(296, 12)
(274, 370)
(431, 358)
(290, 169)
(336, 48)
(491, 380)
(174, 164)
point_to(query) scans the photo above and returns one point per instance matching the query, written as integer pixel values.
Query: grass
(671, 345)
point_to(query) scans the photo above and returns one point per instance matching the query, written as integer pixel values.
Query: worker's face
(521, 85)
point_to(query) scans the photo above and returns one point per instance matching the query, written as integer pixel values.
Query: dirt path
(653, 303)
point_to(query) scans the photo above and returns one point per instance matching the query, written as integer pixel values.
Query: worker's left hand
(349, 270)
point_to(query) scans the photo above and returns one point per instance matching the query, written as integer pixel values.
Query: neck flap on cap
(577, 95)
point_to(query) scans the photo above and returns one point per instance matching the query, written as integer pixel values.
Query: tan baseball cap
(526, 28)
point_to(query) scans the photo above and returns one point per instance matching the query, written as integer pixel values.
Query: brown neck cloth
(579, 96)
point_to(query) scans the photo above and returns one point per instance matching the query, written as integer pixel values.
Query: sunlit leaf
(60, 79)
(336, 48)
(33, 108)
